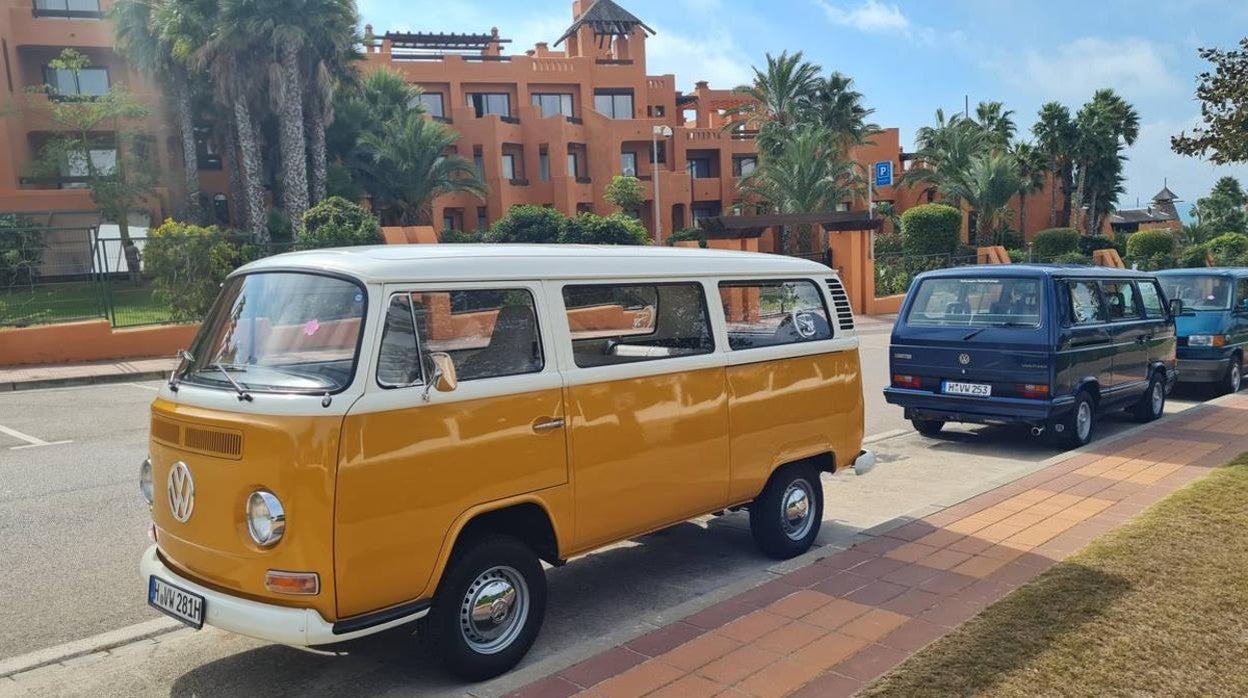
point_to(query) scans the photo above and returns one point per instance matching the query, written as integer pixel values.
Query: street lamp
(666, 132)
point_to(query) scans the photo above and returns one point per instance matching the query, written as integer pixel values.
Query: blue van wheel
(1075, 429)
(1153, 402)
(1233, 379)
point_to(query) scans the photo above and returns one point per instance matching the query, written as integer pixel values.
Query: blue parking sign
(884, 174)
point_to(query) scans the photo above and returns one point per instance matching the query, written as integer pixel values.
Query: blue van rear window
(1003, 302)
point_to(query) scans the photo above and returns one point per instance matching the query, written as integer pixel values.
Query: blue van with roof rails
(1050, 347)
(1213, 329)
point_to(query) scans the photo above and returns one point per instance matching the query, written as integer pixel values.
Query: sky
(910, 57)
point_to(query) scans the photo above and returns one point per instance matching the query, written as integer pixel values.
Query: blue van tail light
(904, 381)
(1032, 391)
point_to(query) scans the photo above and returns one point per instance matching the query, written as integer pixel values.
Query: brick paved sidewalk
(40, 376)
(834, 626)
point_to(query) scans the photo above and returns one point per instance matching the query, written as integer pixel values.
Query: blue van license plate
(968, 389)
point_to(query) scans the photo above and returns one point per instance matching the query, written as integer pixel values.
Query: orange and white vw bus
(363, 438)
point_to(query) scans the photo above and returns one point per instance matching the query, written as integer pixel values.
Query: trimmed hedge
(687, 235)
(336, 222)
(1055, 242)
(1228, 249)
(931, 229)
(615, 229)
(1150, 244)
(528, 224)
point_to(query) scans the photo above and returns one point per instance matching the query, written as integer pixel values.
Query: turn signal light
(1034, 392)
(297, 583)
(904, 381)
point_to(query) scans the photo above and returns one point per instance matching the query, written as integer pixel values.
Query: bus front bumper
(302, 627)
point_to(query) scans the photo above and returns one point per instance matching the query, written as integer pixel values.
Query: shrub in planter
(1091, 243)
(615, 229)
(187, 264)
(528, 224)
(1054, 242)
(931, 229)
(336, 222)
(1147, 244)
(688, 235)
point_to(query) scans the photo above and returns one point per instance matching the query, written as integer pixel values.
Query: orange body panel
(788, 409)
(293, 457)
(408, 476)
(646, 452)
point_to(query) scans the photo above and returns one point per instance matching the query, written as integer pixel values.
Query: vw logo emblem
(964, 359)
(181, 492)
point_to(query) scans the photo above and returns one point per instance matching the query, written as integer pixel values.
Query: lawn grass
(1156, 608)
(67, 302)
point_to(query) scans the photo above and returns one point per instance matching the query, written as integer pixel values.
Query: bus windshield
(279, 332)
(981, 302)
(1199, 292)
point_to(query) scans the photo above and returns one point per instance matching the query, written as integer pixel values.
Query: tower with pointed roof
(1165, 201)
(606, 32)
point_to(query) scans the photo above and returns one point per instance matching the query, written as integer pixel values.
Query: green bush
(1147, 244)
(889, 244)
(187, 264)
(1156, 262)
(615, 229)
(931, 229)
(21, 250)
(336, 222)
(625, 193)
(688, 235)
(460, 237)
(1070, 258)
(1091, 243)
(1054, 242)
(1194, 257)
(528, 224)
(1228, 249)
(1017, 256)
(281, 232)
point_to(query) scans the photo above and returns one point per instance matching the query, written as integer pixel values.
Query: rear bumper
(1202, 370)
(921, 404)
(288, 626)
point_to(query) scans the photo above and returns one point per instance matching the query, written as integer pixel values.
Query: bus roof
(481, 262)
(1237, 272)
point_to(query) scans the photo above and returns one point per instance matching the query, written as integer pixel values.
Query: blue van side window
(1153, 306)
(1086, 307)
(1120, 296)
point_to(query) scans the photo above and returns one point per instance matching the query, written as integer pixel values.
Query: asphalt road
(73, 526)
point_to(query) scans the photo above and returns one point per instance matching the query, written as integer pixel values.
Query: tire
(1152, 403)
(1072, 431)
(928, 427)
(785, 518)
(1233, 379)
(479, 647)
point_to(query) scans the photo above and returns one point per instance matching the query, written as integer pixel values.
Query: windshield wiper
(973, 333)
(242, 393)
(184, 358)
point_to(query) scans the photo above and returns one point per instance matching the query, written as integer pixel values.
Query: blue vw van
(1213, 328)
(1050, 347)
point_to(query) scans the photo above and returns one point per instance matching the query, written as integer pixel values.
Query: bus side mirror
(443, 378)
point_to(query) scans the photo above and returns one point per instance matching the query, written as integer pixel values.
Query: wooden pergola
(741, 227)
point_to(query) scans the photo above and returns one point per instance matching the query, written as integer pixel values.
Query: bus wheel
(785, 518)
(488, 609)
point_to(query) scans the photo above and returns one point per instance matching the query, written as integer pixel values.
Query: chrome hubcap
(1235, 377)
(796, 516)
(1159, 398)
(494, 610)
(1083, 421)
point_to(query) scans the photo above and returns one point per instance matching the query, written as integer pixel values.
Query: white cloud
(1133, 67)
(713, 57)
(870, 16)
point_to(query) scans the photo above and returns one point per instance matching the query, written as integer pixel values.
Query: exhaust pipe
(1037, 431)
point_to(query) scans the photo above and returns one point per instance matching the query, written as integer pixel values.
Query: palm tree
(777, 97)
(1033, 169)
(988, 186)
(150, 50)
(409, 167)
(806, 175)
(360, 108)
(997, 122)
(330, 68)
(279, 34)
(945, 153)
(835, 105)
(1103, 126)
(1055, 137)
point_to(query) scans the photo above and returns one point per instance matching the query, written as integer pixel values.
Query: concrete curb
(71, 381)
(90, 645)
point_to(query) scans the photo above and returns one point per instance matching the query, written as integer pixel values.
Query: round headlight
(145, 481)
(266, 520)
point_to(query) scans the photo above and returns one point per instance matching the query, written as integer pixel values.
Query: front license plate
(176, 603)
(969, 389)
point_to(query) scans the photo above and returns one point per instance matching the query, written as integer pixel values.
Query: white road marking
(31, 441)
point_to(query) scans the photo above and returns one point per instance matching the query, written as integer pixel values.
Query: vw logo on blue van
(964, 359)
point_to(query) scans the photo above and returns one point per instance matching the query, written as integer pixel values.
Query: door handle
(544, 425)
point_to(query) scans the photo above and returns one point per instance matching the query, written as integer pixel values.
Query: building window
(572, 169)
(206, 154)
(478, 160)
(614, 105)
(221, 209)
(744, 166)
(77, 166)
(72, 9)
(543, 166)
(431, 102)
(662, 153)
(553, 104)
(87, 82)
(702, 212)
(628, 164)
(490, 103)
(483, 219)
(700, 168)
(509, 166)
